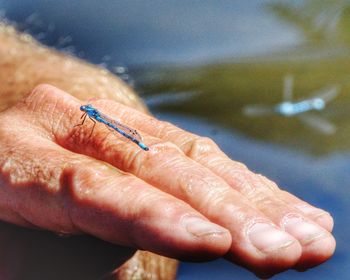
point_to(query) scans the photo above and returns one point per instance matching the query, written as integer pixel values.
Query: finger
(318, 215)
(206, 152)
(259, 182)
(237, 175)
(188, 180)
(55, 189)
(130, 212)
(252, 185)
(317, 244)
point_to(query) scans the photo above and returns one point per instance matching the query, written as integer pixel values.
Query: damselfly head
(86, 108)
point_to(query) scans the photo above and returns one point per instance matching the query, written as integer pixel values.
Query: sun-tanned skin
(183, 198)
(24, 63)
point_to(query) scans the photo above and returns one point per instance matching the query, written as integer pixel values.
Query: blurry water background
(198, 64)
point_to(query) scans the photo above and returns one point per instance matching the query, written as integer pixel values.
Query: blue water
(139, 32)
(145, 34)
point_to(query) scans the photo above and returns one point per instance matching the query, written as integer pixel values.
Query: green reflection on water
(225, 88)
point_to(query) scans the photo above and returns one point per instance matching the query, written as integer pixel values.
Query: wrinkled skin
(183, 198)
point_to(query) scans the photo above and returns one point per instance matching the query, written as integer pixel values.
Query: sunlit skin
(184, 198)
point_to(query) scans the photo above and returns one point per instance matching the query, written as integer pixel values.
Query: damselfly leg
(83, 116)
(92, 130)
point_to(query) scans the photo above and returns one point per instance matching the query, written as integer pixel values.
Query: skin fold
(184, 198)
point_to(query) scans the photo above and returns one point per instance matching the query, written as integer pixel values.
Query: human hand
(183, 198)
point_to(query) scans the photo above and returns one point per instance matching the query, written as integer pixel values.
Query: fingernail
(266, 237)
(200, 227)
(304, 231)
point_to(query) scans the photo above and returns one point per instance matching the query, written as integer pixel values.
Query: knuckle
(44, 103)
(251, 184)
(165, 129)
(41, 108)
(201, 147)
(186, 184)
(197, 183)
(239, 212)
(216, 197)
(133, 162)
(170, 209)
(147, 205)
(268, 183)
(47, 99)
(42, 89)
(80, 181)
(137, 160)
(286, 195)
(243, 182)
(240, 166)
(263, 201)
(38, 94)
(166, 146)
